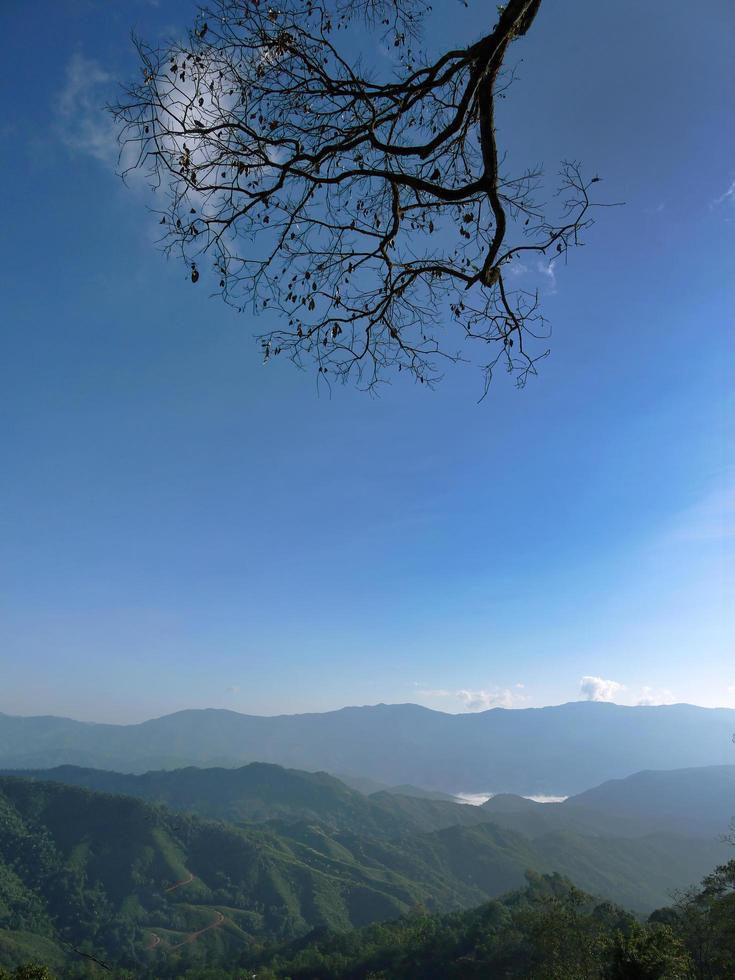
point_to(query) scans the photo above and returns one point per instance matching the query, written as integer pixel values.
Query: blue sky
(183, 526)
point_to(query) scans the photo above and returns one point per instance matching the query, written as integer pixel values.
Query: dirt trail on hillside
(193, 936)
(179, 884)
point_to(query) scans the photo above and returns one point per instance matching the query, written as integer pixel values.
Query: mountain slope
(254, 793)
(262, 791)
(546, 928)
(692, 801)
(698, 802)
(557, 750)
(114, 872)
(292, 873)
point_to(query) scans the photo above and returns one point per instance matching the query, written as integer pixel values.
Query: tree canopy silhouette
(368, 212)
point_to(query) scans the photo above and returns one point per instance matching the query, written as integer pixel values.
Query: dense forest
(293, 874)
(548, 930)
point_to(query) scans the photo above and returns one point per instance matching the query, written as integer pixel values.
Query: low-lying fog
(477, 799)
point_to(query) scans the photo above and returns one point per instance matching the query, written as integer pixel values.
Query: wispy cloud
(728, 197)
(484, 699)
(83, 124)
(599, 688)
(650, 695)
(515, 270)
(519, 271)
(547, 271)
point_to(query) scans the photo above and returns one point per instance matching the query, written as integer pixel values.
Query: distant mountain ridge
(562, 750)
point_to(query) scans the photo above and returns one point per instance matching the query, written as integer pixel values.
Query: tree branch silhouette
(372, 215)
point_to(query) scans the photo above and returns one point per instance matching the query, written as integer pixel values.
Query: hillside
(262, 791)
(545, 930)
(370, 787)
(113, 873)
(252, 794)
(557, 750)
(698, 802)
(119, 874)
(690, 801)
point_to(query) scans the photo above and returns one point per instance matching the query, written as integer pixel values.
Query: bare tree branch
(372, 214)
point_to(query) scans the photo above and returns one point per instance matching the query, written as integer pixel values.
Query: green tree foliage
(654, 953)
(29, 971)
(704, 918)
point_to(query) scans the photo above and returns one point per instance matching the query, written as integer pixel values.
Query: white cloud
(599, 689)
(603, 689)
(547, 271)
(650, 695)
(515, 269)
(233, 689)
(478, 700)
(519, 271)
(482, 700)
(83, 124)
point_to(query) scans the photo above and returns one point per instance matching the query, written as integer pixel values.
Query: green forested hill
(113, 872)
(136, 882)
(254, 793)
(546, 930)
(696, 802)
(261, 791)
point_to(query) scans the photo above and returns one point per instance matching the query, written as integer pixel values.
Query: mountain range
(559, 750)
(695, 802)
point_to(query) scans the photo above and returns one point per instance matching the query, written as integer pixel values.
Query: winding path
(192, 936)
(179, 884)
